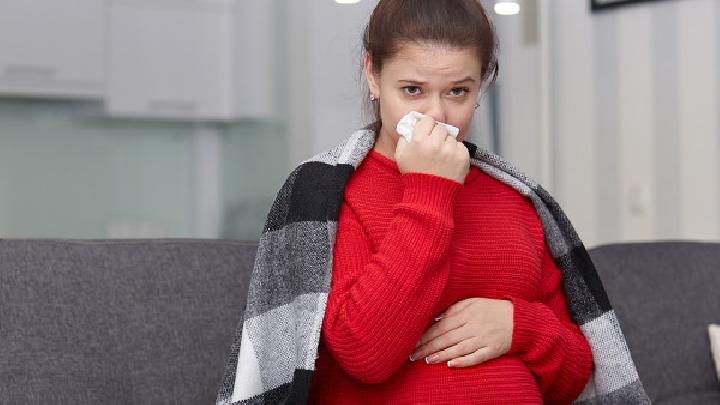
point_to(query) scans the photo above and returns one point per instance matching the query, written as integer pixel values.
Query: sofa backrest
(118, 321)
(665, 294)
(151, 321)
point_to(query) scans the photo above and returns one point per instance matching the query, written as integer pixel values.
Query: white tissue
(407, 123)
(714, 330)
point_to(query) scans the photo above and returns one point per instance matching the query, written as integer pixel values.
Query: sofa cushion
(665, 295)
(118, 321)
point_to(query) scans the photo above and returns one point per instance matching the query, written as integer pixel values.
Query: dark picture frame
(601, 5)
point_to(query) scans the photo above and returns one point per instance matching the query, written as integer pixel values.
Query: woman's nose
(436, 110)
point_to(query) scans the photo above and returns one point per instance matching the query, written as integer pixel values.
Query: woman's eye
(412, 90)
(459, 91)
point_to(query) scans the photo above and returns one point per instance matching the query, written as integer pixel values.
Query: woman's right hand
(433, 151)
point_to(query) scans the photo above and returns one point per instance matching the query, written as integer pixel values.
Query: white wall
(324, 40)
(518, 85)
(634, 117)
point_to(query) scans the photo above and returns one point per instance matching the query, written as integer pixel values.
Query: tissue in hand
(407, 123)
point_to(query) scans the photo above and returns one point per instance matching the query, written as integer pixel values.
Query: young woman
(432, 256)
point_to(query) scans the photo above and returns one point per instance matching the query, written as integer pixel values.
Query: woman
(396, 272)
(421, 233)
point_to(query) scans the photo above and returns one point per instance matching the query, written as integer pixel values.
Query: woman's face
(436, 80)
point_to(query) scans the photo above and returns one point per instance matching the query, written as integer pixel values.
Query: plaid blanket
(273, 354)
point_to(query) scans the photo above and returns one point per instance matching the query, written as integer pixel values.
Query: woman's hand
(470, 332)
(433, 151)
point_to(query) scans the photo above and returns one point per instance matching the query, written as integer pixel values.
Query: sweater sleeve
(548, 342)
(380, 303)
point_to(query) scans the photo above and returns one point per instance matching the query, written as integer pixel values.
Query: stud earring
(372, 97)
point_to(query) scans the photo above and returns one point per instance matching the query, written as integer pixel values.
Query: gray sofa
(151, 321)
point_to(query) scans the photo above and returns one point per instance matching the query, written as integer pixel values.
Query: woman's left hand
(470, 332)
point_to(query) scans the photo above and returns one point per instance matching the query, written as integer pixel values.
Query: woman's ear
(371, 77)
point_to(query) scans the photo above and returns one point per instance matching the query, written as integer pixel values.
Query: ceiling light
(506, 7)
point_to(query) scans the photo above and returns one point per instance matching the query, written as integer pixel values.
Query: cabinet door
(52, 48)
(171, 59)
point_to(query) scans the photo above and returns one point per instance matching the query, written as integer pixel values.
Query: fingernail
(431, 359)
(450, 363)
(411, 358)
(438, 318)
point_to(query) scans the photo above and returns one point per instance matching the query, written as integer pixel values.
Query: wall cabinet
(52, 48)
(190, 59)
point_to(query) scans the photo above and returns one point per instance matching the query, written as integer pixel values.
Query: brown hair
(457, 23)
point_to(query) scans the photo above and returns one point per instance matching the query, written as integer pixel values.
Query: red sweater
(409, 246)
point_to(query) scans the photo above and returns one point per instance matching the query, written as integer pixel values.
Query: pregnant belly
(503, 380)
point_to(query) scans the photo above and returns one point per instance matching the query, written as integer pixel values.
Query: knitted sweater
(406, 250)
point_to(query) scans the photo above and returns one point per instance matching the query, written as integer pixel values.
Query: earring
(477, 105)
(372, 97)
